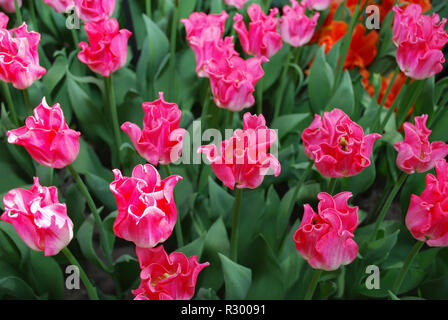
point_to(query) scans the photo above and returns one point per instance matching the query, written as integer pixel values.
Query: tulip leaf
(16, 288)
(127, 271)
(320, 82)
(85, 240)
(194, 248)
(344, 97)
(237, 279)
(221, 203)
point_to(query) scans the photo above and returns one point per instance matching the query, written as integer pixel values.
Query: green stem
(388, 203)
(260, 96)
(18, 13)
(148, 8)
(10, 103)
(394, 105)
(178, 226)
(441, 110)
(313, 284)
(204, 114)
(91, 290)
(96, 215)
(279, 99)
(299, 185)
(383, 102)
(229, 119)
(235, 226)
(33, 14)
(75, 37)
(110, 94)
(404, 270)
(332, 185)
(173, 38)
(26, 98)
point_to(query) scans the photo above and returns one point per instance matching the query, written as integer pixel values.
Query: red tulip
(146, 209)
(325, 239)
(47, 137)
(337, 145)
(166, 277)
(108, 50)
(415, 152)
(160, 141)
(243, 159)
(19, 58)
(262, 38)
(427, 216)
(38, 217)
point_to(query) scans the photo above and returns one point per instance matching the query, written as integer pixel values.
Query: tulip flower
(60, 6)
(160, 141)
(47, 137)
(244, 160)
(146, 209)
(320, 5)
(236, 3)
(233, 81)
(415, 152)
(96, 10)
(108, 47)
(427, 216)
(296, 28)
(19, 58)
(9, 5)
(337, 145)
(325, 239)
(38, 217)
(166, 277)
(420, 40)
(262, 38)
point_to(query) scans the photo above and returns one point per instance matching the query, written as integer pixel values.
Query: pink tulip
(146, 209)
(108, 50)
(60, 6)
(47, 137)
(19, 58)
(94, 10)
(262, 38)
(160, 141)
(243, 159)
(427, 216)
(9, 5)
(415, 153)
(38, 217)
(420, 40)
(233, 81)
(295, 27)
(204, 35)
(337, 145)
(325, 239)
(166, 277)
(236, 3)
(320, 5)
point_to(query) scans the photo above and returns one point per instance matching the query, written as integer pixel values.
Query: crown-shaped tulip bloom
(47, 137)
(38, 217)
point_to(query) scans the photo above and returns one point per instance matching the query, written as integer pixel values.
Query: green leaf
(361, 182)
(267, 279)
(45, 275)
(194, 248)
(237, 279)
(320, 82)
(344, 97)
(290, 123)
(100, 188)
(16, 288)
(221, 203)
(216, 241)
(127, 271)
(186, 7)
(85, 239)
(377, 251)
(55, 74)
